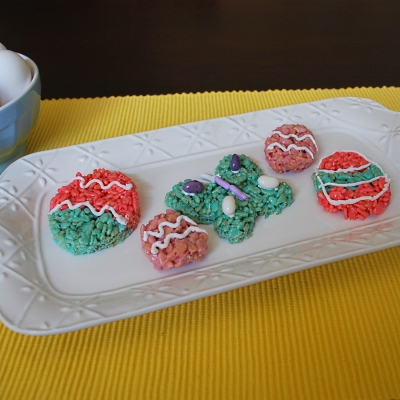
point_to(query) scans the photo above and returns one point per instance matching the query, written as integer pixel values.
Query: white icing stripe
(163, 245)
(172, 235)
(352, 184)
(353, 201)
(128, 186)
(174, 225)
(291, 146)
(188, 194)
(299, 138)
(350, 169)
(71, 206)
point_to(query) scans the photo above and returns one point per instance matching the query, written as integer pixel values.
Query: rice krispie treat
(94, 212)
(171, 240)
(232, 199)
(347, 181)
(290, 148)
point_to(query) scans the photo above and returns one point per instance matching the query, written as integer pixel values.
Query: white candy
(229, 206)
(268, 182)
(15, 76)
(2, 47)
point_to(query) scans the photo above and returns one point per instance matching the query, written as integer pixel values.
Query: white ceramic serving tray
(45, 290)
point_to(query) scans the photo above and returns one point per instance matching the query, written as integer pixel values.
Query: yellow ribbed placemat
(330, 332)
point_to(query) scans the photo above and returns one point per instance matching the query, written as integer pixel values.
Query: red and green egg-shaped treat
(348, 181)
(94, 212)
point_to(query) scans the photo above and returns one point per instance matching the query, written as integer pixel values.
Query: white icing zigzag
(172, 235)
(353, 201)
(293, 146)
(71, 206)
(352, 169)
(128, 186)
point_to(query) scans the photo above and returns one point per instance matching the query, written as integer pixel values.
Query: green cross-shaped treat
(240, 178)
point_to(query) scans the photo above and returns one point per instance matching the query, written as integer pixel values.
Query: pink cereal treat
(171, 240)
(290, 148)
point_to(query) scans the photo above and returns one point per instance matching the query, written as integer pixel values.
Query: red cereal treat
(290, 148)
(94, 212)
(172, 240)
(347, 181)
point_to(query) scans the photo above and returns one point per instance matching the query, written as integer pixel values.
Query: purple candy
(235, 163)
(193, 187)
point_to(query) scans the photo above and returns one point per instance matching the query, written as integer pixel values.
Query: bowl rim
(35, 77)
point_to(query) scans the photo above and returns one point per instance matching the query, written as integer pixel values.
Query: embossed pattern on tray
(33, 297)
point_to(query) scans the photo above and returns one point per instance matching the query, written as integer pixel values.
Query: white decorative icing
(71, 206)
(345, 170)
(291, 146)
(188, 194)
(299, 138)
(352, 169)
(172, 235)
(353, 201)
(352, 184)
(229, 206)
(128, 186)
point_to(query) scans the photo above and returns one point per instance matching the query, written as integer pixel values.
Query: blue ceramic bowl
(17, 119)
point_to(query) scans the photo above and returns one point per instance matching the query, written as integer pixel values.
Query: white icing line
(352, 184)
(128, 186)
(188, 194)
(174, 225)
(172, 235)
(71, 206)
(291, 146)
(299, 138)
(353, 201)
(350, 169)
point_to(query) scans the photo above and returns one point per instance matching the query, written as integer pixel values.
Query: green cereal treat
(232, 199)
(248, 172)
(81, 232)
(238, 227)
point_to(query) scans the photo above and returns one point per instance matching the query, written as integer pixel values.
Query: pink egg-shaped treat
(290, 148)
(172, 240)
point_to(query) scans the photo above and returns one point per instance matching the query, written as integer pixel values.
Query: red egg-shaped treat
(346, 181)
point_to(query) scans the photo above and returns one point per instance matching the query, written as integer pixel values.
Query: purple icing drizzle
(227, 186)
